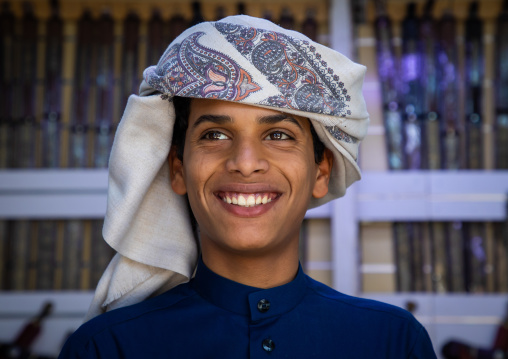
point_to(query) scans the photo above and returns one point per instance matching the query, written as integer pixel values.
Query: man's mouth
(247, 199)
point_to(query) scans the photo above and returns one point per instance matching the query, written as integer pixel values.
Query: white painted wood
(345, 244)
(432, 195)
(58, 180)
(483, 196)
(53, 194)
(53, 206)
(25, 303)
(341, 27)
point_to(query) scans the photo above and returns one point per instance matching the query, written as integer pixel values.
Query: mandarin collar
(254, 302)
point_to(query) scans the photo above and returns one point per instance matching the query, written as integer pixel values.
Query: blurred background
(425, 229)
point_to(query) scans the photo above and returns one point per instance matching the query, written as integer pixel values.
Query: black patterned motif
(190, 69)
(305, 81)
(268, 57)
(336, 132)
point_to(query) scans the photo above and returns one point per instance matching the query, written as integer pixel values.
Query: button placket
(263, 313)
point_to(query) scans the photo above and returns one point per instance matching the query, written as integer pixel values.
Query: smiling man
(240, 128)
(249, 174)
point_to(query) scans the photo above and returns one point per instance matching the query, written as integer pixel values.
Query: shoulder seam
(414, 323)
(92, 336)
(416, 340)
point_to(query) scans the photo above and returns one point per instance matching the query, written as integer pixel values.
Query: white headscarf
(242, 59)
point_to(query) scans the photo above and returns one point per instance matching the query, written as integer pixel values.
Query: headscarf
(239, 58)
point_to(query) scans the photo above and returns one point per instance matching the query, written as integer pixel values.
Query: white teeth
(242, 201)
(251, 201)
(245, 200)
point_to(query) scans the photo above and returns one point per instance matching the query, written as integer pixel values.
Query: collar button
(268, 345)
(263, 305)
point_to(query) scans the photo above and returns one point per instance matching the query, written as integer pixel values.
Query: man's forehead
(220, 111)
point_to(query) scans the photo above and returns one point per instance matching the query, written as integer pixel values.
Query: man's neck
(263, 271)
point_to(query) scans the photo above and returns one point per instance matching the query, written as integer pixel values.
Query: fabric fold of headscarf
(241, 59)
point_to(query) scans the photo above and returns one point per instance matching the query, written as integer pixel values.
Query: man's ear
(176, 172)
(323, 175)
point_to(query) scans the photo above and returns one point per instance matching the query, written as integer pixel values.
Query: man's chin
(245, 244)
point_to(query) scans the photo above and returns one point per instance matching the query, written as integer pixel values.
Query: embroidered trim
(340, 135)
(192, 70)
(293, 66)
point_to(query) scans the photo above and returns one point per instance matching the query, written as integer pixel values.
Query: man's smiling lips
(247, 199)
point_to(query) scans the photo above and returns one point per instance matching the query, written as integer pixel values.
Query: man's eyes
(278, 136)
(214, 136)
(272, 136)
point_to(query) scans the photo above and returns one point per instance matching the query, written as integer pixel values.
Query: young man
(265, 124)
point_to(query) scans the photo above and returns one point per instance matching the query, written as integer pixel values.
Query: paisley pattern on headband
(190, 69)
(340, 135)
(305, 81)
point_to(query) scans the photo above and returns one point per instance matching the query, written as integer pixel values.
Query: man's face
(249, 174)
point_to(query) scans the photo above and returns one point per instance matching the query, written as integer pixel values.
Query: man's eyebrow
(273, 119)
(217, 119)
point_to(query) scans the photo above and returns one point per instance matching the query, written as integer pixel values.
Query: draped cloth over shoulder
(241, 59)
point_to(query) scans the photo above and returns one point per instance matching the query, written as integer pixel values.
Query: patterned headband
(304, 79)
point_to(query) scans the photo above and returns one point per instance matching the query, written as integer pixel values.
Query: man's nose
(247, 157)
